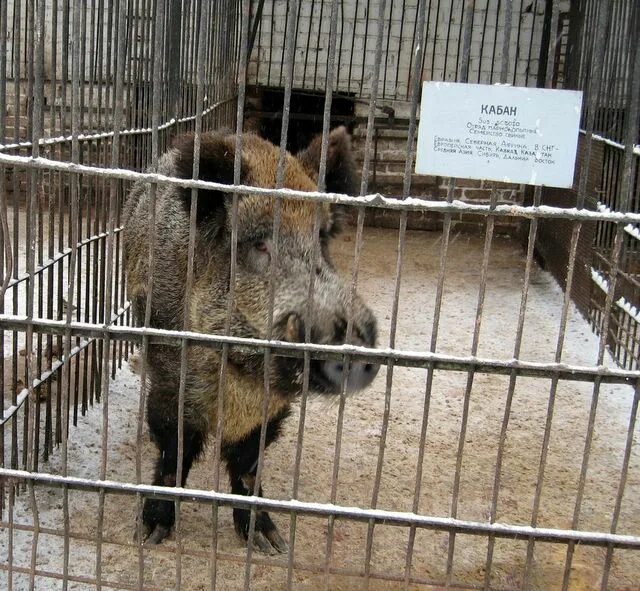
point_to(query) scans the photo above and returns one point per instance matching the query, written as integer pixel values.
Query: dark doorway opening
(264, 111)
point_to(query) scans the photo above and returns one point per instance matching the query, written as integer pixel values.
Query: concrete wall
(357, 30)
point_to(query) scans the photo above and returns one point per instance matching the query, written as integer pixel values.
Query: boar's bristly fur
(324, 317)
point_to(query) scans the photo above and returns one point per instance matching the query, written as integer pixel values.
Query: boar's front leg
(242, 463)
(158, 515)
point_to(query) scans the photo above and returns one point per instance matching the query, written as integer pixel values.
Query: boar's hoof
(151, 536)
(271, 543)
(159, 533)
(158, 517)
(266, 538)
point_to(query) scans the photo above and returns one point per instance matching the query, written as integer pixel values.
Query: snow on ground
(119, 566)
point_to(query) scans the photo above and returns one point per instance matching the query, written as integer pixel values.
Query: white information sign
(500, 133)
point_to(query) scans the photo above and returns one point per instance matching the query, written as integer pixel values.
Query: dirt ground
(360, 449)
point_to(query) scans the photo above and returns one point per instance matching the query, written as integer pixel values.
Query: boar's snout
(328, 376)
(361, 374)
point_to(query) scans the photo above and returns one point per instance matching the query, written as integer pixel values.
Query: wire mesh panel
(395, 408)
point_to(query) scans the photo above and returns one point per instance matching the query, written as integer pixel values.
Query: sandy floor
(363, 419)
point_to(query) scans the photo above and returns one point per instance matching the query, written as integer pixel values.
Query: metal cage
(498, 447)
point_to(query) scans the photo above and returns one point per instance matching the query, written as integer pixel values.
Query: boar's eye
(261, 246)
(259, 256)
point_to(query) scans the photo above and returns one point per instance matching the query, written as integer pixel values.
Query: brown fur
(207, 312)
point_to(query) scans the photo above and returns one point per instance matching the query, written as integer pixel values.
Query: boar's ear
(217, 153)
(341, 174)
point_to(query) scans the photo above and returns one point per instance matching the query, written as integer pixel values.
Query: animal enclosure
(497, 447)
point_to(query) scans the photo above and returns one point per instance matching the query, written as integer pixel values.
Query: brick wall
(387, 177)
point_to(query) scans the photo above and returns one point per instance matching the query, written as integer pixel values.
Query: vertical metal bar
(624, 472)
(242, 89)
(624, 47)
(5, 239)
(307, 321)
(594, 89)
(436, 323)
(102, 67)
(51, 275)
(201, 17)
(463, 33)
(35, 515)
(155, 79)
(114, 187)
(506, 40)
(517, 43)
(78, 298)
(36, 134)
(482, 40)
(435, 39)
(37, 40)
(495, 35)
(242, 75)
(318, 49)
(282, 57)
(533, 228)
(66, 368)
(91, 195)
(532, 33)
(386, 55)
(29, 238)
(307, 45)
(326, 121)
(220, 12)
(290, 43)
(403, 18)
(91, 73)
(174, 42)
(10, 532)
(17, 52)
(478, 320)
(449, 22)
(375, 83)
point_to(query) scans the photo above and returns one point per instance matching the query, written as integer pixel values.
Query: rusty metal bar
(400, 357)
(396, 518)
(371, 200)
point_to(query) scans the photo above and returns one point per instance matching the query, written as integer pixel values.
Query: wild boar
(327, 313)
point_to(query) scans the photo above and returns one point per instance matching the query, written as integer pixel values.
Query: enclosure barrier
(506, 462)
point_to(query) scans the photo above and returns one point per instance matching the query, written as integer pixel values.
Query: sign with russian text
(500, 133)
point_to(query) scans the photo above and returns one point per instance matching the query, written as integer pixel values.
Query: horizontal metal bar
(373, 200)
(44, 376)
(57, 258)
(14, 408)
(277, 561)
(398, 357)
(89, 137)
(633, 231)
(601, 281)
(397, 518)
(612, 143)
(100, 135)
(85, 580)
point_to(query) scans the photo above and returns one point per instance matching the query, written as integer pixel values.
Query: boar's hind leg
(242, 463)
(158, 515)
